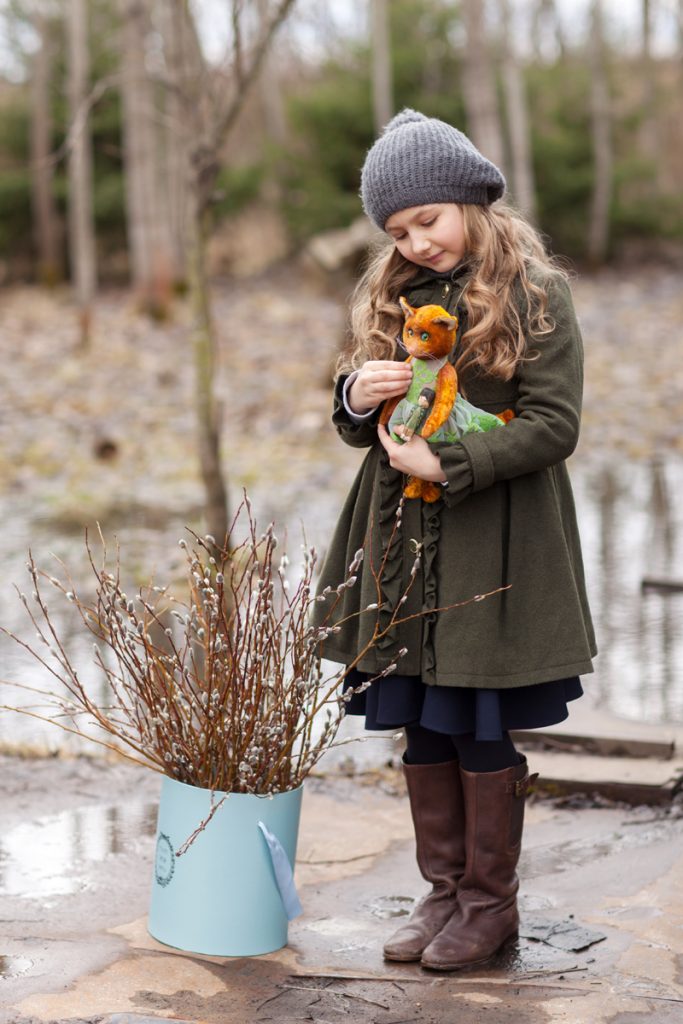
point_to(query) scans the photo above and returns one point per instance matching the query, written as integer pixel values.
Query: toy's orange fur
(429, 332)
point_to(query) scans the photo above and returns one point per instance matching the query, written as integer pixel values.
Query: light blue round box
(232, 892)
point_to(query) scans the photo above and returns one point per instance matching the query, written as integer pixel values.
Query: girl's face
(431, 235)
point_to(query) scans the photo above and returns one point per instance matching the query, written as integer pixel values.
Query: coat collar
(459, 275)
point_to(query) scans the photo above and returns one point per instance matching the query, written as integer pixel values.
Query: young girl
(505, 518)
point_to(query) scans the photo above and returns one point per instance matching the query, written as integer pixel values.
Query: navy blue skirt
(395, 701)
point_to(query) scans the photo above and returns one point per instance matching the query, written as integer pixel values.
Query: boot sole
(414, 959)
(510, 941)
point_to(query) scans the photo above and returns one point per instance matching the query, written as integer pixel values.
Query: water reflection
(631, 526)
(632, 530)
(50, 856)
(13, 966)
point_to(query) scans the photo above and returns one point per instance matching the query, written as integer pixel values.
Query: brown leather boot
(486, 915)
(436, 805)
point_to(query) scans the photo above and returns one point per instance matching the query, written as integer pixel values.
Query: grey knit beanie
(418, 160)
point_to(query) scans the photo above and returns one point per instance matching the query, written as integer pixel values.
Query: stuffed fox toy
(432, 406)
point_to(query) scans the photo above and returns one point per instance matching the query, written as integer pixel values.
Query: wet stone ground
(81, 952)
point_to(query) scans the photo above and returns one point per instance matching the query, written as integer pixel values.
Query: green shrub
(236, 187)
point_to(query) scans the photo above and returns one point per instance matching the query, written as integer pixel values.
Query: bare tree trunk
(174, 31)
(148, 237)
(598, 232)
(273, 108)
(519, 132)
(650, 141)
(545, 19)
(272, 100)
(479, 85)
(45, 217)
(211, 119)
(81, 225)
(382, 83)
(204, 350)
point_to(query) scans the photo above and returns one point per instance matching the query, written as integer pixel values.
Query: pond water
(632, 530)
(631, 520)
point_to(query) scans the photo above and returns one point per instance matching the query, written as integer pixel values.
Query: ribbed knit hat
(418, 160)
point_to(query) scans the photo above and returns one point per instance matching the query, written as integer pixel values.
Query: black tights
(424, 746)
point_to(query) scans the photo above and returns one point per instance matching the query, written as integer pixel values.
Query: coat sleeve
(357, 435)
(546, 428)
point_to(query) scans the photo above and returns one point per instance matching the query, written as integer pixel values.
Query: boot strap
(521, 786)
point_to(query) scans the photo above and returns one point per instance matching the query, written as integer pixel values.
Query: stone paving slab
(635, 780)
(586, 720)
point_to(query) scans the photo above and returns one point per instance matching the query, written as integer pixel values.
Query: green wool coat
(506, 518)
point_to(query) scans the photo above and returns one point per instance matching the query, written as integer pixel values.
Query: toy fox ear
(406, 307)
(449, 322)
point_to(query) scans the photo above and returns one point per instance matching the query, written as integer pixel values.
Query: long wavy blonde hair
(503, 251)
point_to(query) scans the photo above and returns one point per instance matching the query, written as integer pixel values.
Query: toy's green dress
(465, 418)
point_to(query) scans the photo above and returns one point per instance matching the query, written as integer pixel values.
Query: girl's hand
(377, 380)
(414, 457)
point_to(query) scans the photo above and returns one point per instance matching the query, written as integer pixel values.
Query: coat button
(445, 291)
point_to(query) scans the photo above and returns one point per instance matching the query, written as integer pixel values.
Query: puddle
(13, 966)
(391, 906)
(631, 521)
(333, 926)
(51, 856)
(525, 957)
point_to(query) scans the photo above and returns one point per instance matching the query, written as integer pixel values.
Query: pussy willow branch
(223, 692)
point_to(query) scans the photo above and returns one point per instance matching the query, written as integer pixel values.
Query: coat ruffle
(391, 575)
(431, 518)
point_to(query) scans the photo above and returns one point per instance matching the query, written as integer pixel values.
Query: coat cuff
(459, 477)
(354, 416)
(361, 434)
(480, 461)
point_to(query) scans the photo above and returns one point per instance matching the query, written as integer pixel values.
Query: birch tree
(272, 99)
(149, 239)
(382, 83)
(183, 65)
(546, 22)
(80, 174)
(650, 142)
(273, 108)
(601, 134)
(519, 132)
(45, 217)
(479, 85)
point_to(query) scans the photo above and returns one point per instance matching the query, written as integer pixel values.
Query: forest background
(578, 102)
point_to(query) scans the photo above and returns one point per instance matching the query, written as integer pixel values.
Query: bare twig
(248, 75)
(215, 806)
